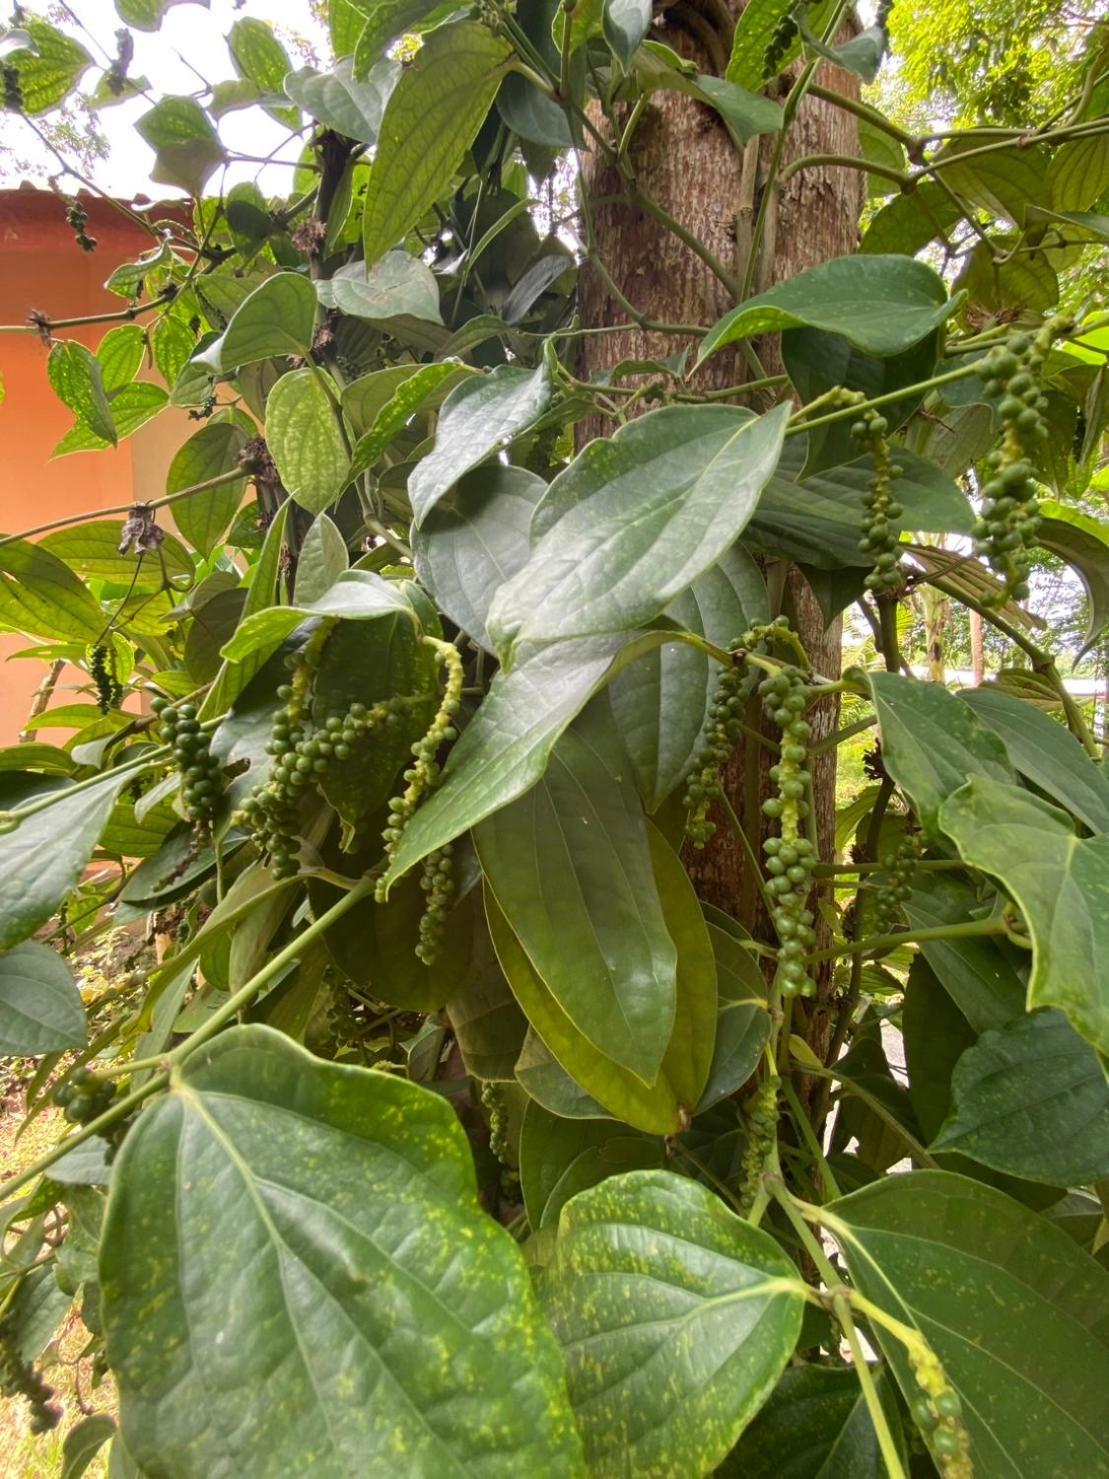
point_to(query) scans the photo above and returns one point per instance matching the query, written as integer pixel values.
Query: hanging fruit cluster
(761, 1125)
(790, 856)
(938, 1413)
(84, 1096)
(897, 885)
(101, 661)
(716, 744)
(879, 539)
(201, 775)
(437, 881)
(1010, 515)
(20, 1378)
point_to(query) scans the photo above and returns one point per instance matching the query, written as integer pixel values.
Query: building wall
(45, 269)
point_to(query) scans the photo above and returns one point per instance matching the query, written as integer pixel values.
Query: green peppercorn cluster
(20, 1378)
(1010, 514)
(938, 1413)
(879, 538)
(437, 881)
(201, 776)
(102, 671)
(782, 38)
(492, 1098)
(78, 217)
(790, 856)
(423, 774)
(898, 885)
(84, 1095)
(13, 90)
(761, 1127)
(717, 742)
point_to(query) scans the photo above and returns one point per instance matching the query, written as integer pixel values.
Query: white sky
(191, 36)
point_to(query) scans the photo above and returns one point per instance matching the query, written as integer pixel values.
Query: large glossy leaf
(1014, 1310)
(358, 595)
(980, 975)
(570, 868)
(92, 549)
(743, 1023)
(323, 558)
(77, 378)
(382, 21)
(277, 318)
(306, 439)
(818, 519)
(880, 304)
(1045, 753)
(36, 873)
(277, 1224)
(549, 1143)
(664, 1107)
(334, 99)
(430, 120)
(504, 748)
(40, 1005)
(931, 742)
(815, 1426)
(1032, 1099)
(661, 702)
(635, 519)
(478, 418)
(676, 1318)
(489, 1026)
(397, 285)
(212, 450)
(1057, 879)
(467, 548)
(39, 594)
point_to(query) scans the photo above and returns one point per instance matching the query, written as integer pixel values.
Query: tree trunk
(685, 161)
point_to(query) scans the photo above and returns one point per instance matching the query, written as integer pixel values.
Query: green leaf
(398, 285)
(819, 519)
(1003, 182)
(277, 318)
(910, 222)
(488, 1025)
(931, 743)
(305, 438)
(77, 379)
(504, 748)
(417, 392)
(753, 32)
(186, 146)
(51, 70)
(334, 99)
(145, 15)
(40, 1006)
(1079, 174)
(132, 407)
(83, 1442)
(635, 519)
(260, 58)
(1082, 542)
(467, 549)
(384, 20)
(549, 1145)
(479, 417)
(570, 868)
(1031, 1099)
(40, 594)
(815, 1426)
(430, 121)
(323, 558)
(743, 1023)
(661, 702)
(1057, 879)
(36, 874)
(663, 1107)
(204, 517)
(1045, 753)
(357, 595)
(120, 353)
(1012, 1308)
(979, 975)
(880, 304)
(625, 23)
(92, 550)
(234, 676)
(676, 1319)
(381, 1298)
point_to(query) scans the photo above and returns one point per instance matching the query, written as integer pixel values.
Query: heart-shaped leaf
(1058, 880)
(676, 1319)
(380, 1298)
(40, 1006)
(277, 318)
(1011, 1306)
(397, 285)
(306, 439)
(334, 99)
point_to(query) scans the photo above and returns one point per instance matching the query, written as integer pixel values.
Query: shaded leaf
(334, 99)
(40, 1005)
(358, 595)
(204, 517)
(277, 318)
(396, 285)
(979, 975)
(186, 146)
(322, 559)
(305, 438)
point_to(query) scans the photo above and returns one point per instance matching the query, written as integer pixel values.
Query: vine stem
(122, 315)
(172, 1060)
(125, 508)
(970, 930)
(841, 1308)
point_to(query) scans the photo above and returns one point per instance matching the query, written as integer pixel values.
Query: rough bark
(685, 161)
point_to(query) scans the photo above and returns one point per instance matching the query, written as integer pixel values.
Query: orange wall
(43, 268)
